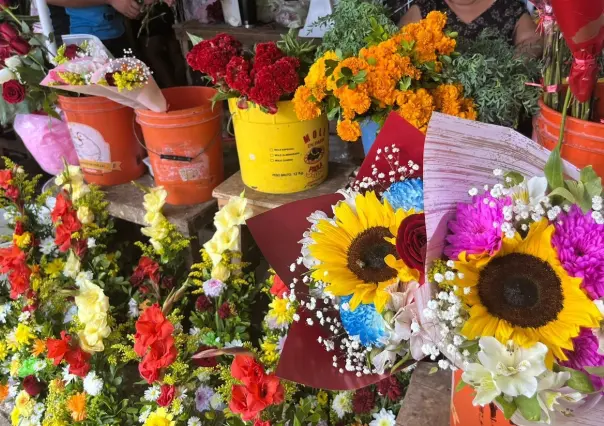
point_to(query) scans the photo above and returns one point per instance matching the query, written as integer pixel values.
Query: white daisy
(47, 245)
(342, 404)
(383, 418)
(4, 311)
(234, 344)
(194, 421)
(93, 384)
(152, 393)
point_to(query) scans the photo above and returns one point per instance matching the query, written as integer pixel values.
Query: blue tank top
(101, 21)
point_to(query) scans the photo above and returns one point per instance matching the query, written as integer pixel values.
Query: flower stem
(567, 100)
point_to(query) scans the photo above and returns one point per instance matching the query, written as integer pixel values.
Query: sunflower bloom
(524, 294)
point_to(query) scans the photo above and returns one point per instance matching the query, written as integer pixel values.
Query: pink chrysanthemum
(477, 227)
(586, 354)
(579, 241)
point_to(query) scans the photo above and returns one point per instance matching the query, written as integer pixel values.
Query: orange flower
(353, 64)
(77, 405)
(304, 107)
(428, 37)
(416, 107)
(39, 347)
(349, 130)
(3, 392)
(448, 99)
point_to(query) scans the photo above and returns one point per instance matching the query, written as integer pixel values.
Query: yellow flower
(77, 405)
(3, 351)
(72, 266)
(91, 301)
(160, 417)
(95, 330)
(222, 241)
(348, 130)
(304, 106)
(158, 230)
(351, 252)
(71, 175)
(39, 347)
(85, 215)
(78, 190)
(155, 199)
(22, 336)
(281, 312)
(15, 365)
(221, 272)
(22, 400)
(15, 416)
(235, 213)
(269, 351)
(316, 79)
(55, 267)
(23, 241)
(322, 397)
(524, 294)
(428, 37)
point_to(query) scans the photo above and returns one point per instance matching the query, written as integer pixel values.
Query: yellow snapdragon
(93, 306)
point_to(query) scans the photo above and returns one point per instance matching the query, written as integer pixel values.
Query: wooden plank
(338, 178)
(428, 398)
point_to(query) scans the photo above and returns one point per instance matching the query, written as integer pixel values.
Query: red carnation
(19, 230)
(168, 392)
(33, 386)
(246, 369)
(57, 348)
(5, 177)
(225, 311)
(78, 361)
(203, 303)
(152, 326)
(13, 92)
(62, 206)
(12, 193)
(278, 288)
(363, 401)
(161, 354)
(205, 362)
(71, 51)
(411, 241)
(390, 388)
(266, 54)
(237, 75)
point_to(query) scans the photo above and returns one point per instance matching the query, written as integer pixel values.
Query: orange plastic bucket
(185, 144)
(103, 136)
(583, 143)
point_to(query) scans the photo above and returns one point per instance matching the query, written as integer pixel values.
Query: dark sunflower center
(521, 289)
(366, 255)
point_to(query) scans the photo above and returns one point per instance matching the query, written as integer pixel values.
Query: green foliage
(495, 77)
(305, 51)
(352, 22)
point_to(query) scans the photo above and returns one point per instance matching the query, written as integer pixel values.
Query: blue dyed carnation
(364, 322)
(406, 195)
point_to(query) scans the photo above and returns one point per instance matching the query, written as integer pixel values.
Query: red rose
(12, 193)
(203, 303)
(20, 45)
(62, 206)
(71, 51)
(5, 53)
(78, 361)
(13, 92)
(259, 422)
(168, 392)
(162, 354)
(279, 287)
(245, 403)
(152, 326)
(411, 241)
(33, 386)
(5, 177)
(7, 31)
(19, 228)
(246, 369)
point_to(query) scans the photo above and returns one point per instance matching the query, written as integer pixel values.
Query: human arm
(129, 8)
(527, 40)
(412, 15)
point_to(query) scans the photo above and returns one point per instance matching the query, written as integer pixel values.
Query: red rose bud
(71, 51)
(13, 92)
(7, 31)
(168, 392)
(80, 247)
(20, 45)
(33, 386)
(203, 303)
(411, 241)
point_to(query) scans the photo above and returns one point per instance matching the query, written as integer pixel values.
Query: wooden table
(339, 176)
(126, 202)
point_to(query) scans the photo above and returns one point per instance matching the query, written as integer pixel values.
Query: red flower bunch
(71, 51)
(212, 56)
(279, 287)
(266, 54)
(69, 223)
(258, 391)
(273, 82)
(147, 268)
(363, 401)
(14, 263)
(64, 349)
(10, 191)
(10, 38)
(154, 342)
(238, 75)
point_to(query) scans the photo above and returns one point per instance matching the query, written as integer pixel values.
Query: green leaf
(297, 421)
(578, 381)
(460, 386)
(578, 190)
(404, 83)
(347, 72)
(339, 54)
(563, 192)
(333, 113)
(194, 39)
(553, 169)
(508, 407)
(514, 179)
(529, 407)
(591, 180)
(596, 371)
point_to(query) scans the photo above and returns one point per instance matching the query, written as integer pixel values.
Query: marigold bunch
(402, 74)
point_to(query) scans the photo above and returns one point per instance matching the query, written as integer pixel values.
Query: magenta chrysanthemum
(579, 241)
(477, 227)
(586, 354)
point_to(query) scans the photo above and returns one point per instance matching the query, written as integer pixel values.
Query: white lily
(531, 192)
(482, 381)
(553, 395)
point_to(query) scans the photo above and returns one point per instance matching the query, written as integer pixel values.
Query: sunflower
(351, 250)
(524, 294)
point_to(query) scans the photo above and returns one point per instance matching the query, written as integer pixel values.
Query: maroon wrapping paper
(278, 232)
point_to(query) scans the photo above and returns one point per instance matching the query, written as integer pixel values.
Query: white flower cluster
(381, 181)
(596, 206)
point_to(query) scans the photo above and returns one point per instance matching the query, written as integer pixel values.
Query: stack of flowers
(402, 74)
(265, 77)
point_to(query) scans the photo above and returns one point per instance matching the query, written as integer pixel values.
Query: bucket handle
(175, 157)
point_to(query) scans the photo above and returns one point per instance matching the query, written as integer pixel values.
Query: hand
(128, 8)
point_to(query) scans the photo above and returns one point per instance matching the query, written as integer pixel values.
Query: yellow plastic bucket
(278, 153)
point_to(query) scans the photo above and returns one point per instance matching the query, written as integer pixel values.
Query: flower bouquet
(402, 73)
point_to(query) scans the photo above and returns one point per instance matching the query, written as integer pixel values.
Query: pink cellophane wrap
(461, 154)
(48, 140)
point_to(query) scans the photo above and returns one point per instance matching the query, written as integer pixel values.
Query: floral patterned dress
(502, 15)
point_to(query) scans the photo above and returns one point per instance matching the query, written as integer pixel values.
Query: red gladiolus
(246, 369)
(259, 422)
(71, 222)
(168, 392)
(33, 386)
(12, 193)
(161, 354)
(13, 262)
(147, 268)
(78, 361)
(62, 206)
(269, 390)
(5, 177)
(152, 326)
(80, 247)
(63, 238)
(245, 403)
(13, 92)
(278, 288)
(57, 348)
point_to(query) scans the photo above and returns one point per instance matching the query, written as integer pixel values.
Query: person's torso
(102, 21)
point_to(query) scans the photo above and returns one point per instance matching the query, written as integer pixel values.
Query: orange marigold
(428, 37)
(349, 130)
(353, 101)
(448, 99)
(416, 107)
(316, 80)
(38, 348)
(304, 106)
(354, 64)
(77, 405)
(3, 392)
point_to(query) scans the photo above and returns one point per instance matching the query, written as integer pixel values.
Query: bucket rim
(569, 119)
(186, 112)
